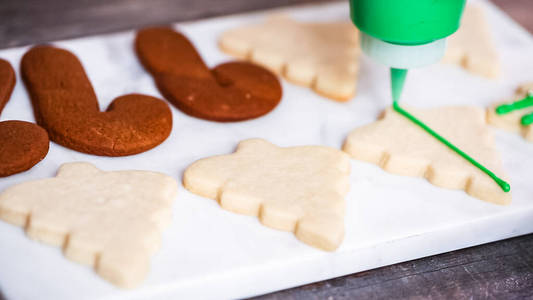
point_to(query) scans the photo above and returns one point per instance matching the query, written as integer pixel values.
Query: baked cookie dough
(111, 221)
(399, 146)
(322, 56)
(512, 121)
(472, 47)
(22, 144)
(298, 189)
(7, 82)
(233, 91)
(65, 104)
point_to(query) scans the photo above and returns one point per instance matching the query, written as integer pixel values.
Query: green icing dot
(527, 119)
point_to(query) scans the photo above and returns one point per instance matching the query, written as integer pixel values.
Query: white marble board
(211, 253)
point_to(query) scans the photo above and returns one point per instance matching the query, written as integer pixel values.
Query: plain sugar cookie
(399, 146)
(322, 56)
(111, 221)
(472, 47)
(298, 189)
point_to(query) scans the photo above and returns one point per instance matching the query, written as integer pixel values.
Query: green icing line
(527, 119)
(504, 185)
(520, 104)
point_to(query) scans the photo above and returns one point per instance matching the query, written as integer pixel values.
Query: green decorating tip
(397, 79)
(527, 119)
(504, 185)
(520, 104)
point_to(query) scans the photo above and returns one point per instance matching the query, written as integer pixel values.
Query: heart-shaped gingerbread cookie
(233, 91)
(65, 104)
(24, 144)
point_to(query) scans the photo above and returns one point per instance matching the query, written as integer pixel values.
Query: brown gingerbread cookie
(233, 91)
(23, 144)
(7, 82)
(65, 104)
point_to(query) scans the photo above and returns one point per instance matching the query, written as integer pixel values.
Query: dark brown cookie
(7, 82)
(23, 144)
(233, 91)
(65, 104)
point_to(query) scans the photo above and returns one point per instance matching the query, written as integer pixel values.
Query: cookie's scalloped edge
(104, 263)
(312, 230)
(416, 167)
(281, 68)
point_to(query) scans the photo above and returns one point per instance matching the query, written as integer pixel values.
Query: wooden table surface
(500, 270)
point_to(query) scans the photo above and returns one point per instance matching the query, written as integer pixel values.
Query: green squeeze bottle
(404, 34)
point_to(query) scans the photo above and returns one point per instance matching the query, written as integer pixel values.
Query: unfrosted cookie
(323, 56)
(22, 144)
(299, 189)
(472, 47)
(399, 146)
(111, 221)
(7, 82)
(65, 104)
(233, 91)
(512, 121)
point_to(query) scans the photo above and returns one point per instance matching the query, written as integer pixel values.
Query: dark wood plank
(519, 10)
(500, 270)
(25, 22)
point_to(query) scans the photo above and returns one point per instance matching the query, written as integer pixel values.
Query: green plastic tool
(397, 79)
(404, 34)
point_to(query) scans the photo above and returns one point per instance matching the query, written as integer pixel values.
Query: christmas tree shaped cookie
(111, 221)
(472, 47)
(299, 189)
(401, 147)
(515, 115)
(323, 56)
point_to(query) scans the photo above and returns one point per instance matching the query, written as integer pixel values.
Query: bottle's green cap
(407, 22)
